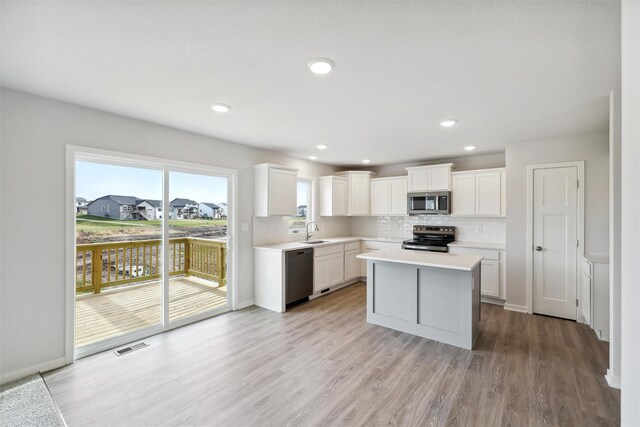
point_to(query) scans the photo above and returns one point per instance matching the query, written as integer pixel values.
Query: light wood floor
(322, 364)
(116, 312)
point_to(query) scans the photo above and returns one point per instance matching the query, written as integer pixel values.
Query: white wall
(630, 245)
(34, 133)
(463, 163)
(594, 150)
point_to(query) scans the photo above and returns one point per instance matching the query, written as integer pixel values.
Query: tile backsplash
(274, 230)
(485, 230)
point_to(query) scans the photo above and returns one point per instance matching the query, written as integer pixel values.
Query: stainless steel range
(431, 238)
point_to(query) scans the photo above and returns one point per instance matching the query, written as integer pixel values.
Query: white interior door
(555, 238)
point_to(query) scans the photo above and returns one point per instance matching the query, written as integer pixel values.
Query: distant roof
(121, 200)
(211, 205)
(155, 203)
(181, 203)
(81, 199)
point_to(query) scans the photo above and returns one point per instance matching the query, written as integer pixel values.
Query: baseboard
(490, 300)
(612, 380)
(245, 304)
(517, 308)
(35, 369)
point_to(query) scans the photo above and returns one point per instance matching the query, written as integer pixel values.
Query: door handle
(538, 248)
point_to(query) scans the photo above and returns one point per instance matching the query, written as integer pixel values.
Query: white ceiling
(508, 71)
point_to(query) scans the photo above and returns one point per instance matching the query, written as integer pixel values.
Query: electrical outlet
(245, 226)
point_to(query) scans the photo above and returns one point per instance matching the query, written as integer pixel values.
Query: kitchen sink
(315, 242)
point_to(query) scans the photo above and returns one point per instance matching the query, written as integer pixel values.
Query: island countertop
(425, 258)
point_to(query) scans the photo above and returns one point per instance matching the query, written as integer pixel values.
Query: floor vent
(129, 349)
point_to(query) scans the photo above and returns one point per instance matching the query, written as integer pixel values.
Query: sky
(95, 180)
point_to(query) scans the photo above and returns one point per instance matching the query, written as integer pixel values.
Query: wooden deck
(118, 311)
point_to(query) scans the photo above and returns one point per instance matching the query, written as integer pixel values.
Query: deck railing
(102, 265)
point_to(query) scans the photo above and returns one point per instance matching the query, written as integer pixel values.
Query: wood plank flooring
(322, 364)
(116, 312)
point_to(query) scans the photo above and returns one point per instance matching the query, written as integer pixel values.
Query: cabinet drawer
(488, 254)
(372, 245)
(327, 250)
(351, 246)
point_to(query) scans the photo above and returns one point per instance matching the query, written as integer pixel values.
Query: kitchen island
(432, 295)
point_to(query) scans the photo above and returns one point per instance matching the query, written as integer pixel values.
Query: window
(304, 209)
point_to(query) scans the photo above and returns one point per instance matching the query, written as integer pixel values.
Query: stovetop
(431, 238)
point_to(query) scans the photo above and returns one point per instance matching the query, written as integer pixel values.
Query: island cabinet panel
(395, 292)
(439, 303)
(441, 299)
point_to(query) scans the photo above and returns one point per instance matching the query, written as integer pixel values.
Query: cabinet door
(340, 197)
(380, 191)
(321, 270)
(438, 178)
(398, 202)
(417, 180)
(585, 306)
(489, 194)
(463, 195)
(359, 194)
(282, 192)
(336, 269)
(490, 278)
(351, 265)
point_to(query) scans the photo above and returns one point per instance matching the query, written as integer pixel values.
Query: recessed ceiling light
(322, 146)
(448, 123)
(366, 161)
(313, 157)
(321, 65)
(470, 147)
(220, 108)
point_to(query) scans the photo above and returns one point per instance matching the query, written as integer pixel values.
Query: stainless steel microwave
(430, 203)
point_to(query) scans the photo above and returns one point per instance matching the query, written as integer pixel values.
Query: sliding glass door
(151, 247)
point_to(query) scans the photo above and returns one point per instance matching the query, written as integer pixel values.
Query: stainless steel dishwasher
(299, 275)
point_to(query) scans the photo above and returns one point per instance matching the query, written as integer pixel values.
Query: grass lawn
(96, 223)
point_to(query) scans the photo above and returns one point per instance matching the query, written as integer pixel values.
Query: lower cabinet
(328, 270)
(351, 265)
(492, 271)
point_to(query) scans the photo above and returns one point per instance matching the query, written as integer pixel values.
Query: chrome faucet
(315, 228)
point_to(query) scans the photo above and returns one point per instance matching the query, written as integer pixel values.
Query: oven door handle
(413, 247)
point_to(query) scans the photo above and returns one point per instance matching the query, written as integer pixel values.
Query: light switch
(245, 226)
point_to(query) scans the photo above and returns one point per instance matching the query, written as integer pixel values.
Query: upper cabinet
(274, 190)
(333, 195)
(429, 178)
(389, 196)
(358, 191)
(479, 193)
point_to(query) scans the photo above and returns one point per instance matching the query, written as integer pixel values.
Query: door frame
(579, 223)
(165, 165)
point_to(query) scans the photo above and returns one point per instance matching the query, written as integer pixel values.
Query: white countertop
(327, 241)
(424, 258)
(478, 245)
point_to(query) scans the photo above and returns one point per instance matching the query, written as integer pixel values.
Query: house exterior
(183, 209)
(113, 206)
(302, 211)
(209, 210)
(149, 209)
(81, 205)
(223, 209)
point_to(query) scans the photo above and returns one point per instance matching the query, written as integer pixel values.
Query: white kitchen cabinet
(351, 265)
(358, 190)
(389, 196)
(328, 270)
(490, 278)
(374, 245)
(333, 195)
(492, 272)
(275, 190)
(463, 194)
(429, 178)
(479, 193)
(594, 298)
